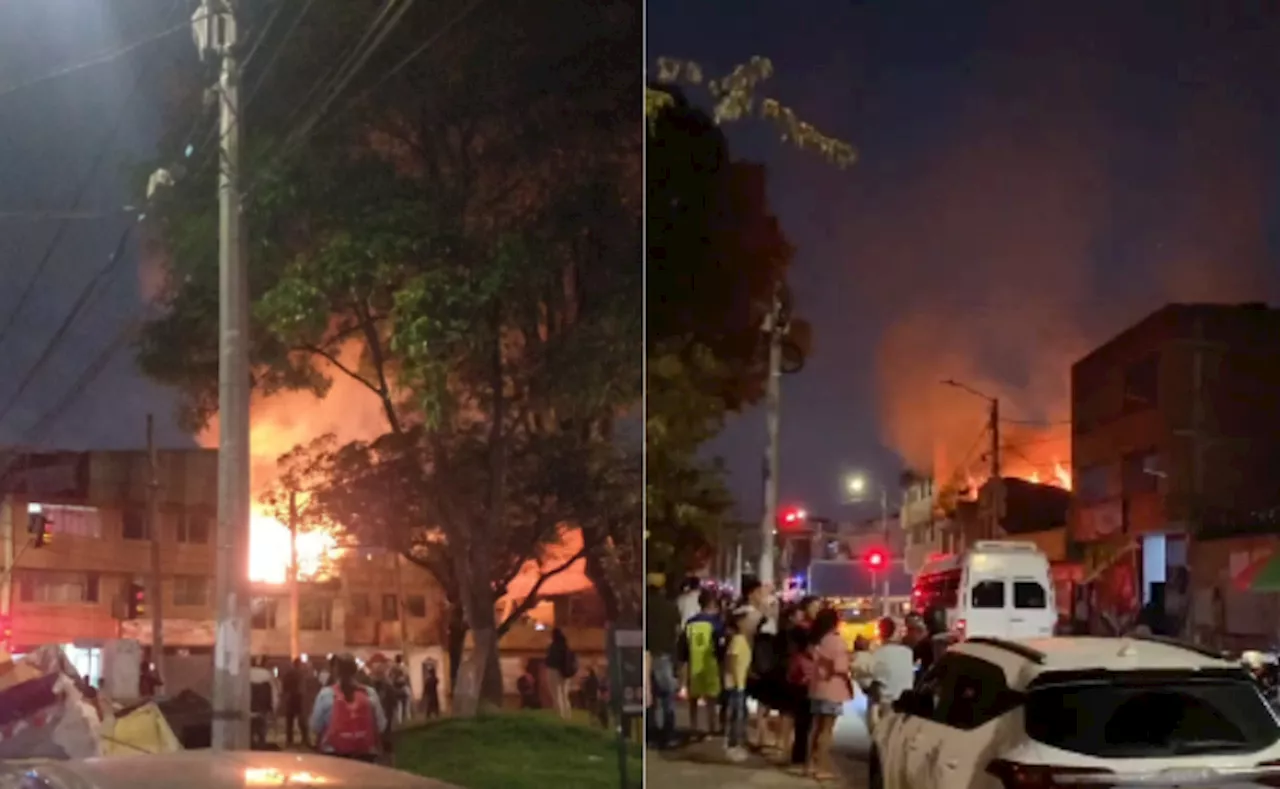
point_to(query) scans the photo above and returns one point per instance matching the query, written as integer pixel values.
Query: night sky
(1034, 178)
(50, 134)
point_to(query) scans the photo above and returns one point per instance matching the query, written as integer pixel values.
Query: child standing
(737, 667)
(700, 649)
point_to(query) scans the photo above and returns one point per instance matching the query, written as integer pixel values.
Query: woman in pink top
(829, 689)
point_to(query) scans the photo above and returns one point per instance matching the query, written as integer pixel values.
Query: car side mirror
(914, 703)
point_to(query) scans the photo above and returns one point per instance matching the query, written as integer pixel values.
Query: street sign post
(626, 668)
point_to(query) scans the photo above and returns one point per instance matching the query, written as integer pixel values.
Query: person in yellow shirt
(700, 648)
(737, 667)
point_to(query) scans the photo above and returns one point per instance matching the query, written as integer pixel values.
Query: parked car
(1071, 711)
(209, 770)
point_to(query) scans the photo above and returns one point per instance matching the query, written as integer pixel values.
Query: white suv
(1105, 713)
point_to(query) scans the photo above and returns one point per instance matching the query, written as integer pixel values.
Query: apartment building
(933, 520)
(72, 590)
(1176, 438)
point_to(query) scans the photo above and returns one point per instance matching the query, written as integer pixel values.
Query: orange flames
(279, 423)
(349, 411)
(1057, 474)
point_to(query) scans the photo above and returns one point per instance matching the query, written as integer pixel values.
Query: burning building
(72, 587)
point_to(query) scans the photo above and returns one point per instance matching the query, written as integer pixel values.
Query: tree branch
(531, 599)
(383, 389)
(333, 359)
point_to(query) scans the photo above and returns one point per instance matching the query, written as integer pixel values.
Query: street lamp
(856, 485)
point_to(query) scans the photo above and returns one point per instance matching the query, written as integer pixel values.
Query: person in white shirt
(264, 698)
(864, 662)
(893, 666)
(687, 602)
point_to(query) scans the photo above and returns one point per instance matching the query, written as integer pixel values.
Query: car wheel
(875, 779)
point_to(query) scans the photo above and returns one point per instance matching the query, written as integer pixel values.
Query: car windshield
(1143, 718)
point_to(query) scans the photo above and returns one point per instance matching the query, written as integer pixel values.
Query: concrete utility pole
(295, 651)
(775, 327)
(155, 591)
(215, 33)
(998, 490)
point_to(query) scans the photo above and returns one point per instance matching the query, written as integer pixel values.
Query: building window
(315, 613)
(1142, 384)
(193, 528)
(191, 590)
(1140, 474)
(360, 606)
(416, 606)
(71, 521)
(264, 613)
(135, 523)
(1092, 484)
(390, 611)
(38, 586)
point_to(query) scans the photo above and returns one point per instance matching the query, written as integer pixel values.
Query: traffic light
(791, 517)
(136, 600)
(38, 527)
(876, 559)
(6, 633)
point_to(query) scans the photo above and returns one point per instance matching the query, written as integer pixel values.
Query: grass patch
(518, 750)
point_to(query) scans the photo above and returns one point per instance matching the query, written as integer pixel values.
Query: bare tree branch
(531, 599)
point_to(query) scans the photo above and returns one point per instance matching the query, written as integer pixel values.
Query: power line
(1038, 422)
(356, 62)
(341, 65)
(275, 54)
(87, 377)
(457, 19)
(99, 59)
(299, 138)
(962, 468)
(82, 189)
(206, 146)
(1036, 441)
(64, 215)
(77, 307)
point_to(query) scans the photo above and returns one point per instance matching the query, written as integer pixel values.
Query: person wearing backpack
(348, 720)
(562, 666)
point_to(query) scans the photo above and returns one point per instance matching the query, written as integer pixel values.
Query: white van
(996, 589)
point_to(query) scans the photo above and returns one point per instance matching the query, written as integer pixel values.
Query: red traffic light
(793, 516)
(876, 559)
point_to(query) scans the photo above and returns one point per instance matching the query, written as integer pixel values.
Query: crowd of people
(790, 659)
(340, 707)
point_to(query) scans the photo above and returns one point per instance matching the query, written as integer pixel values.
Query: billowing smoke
(1048, 222)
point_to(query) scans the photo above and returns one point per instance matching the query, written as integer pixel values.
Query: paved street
(703, 766)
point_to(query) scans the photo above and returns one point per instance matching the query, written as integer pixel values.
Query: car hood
(210, 770)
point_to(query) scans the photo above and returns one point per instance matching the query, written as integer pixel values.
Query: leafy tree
(379, 495)
(737, 96)
(470, 217)
(686, 496)
(716, 256)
